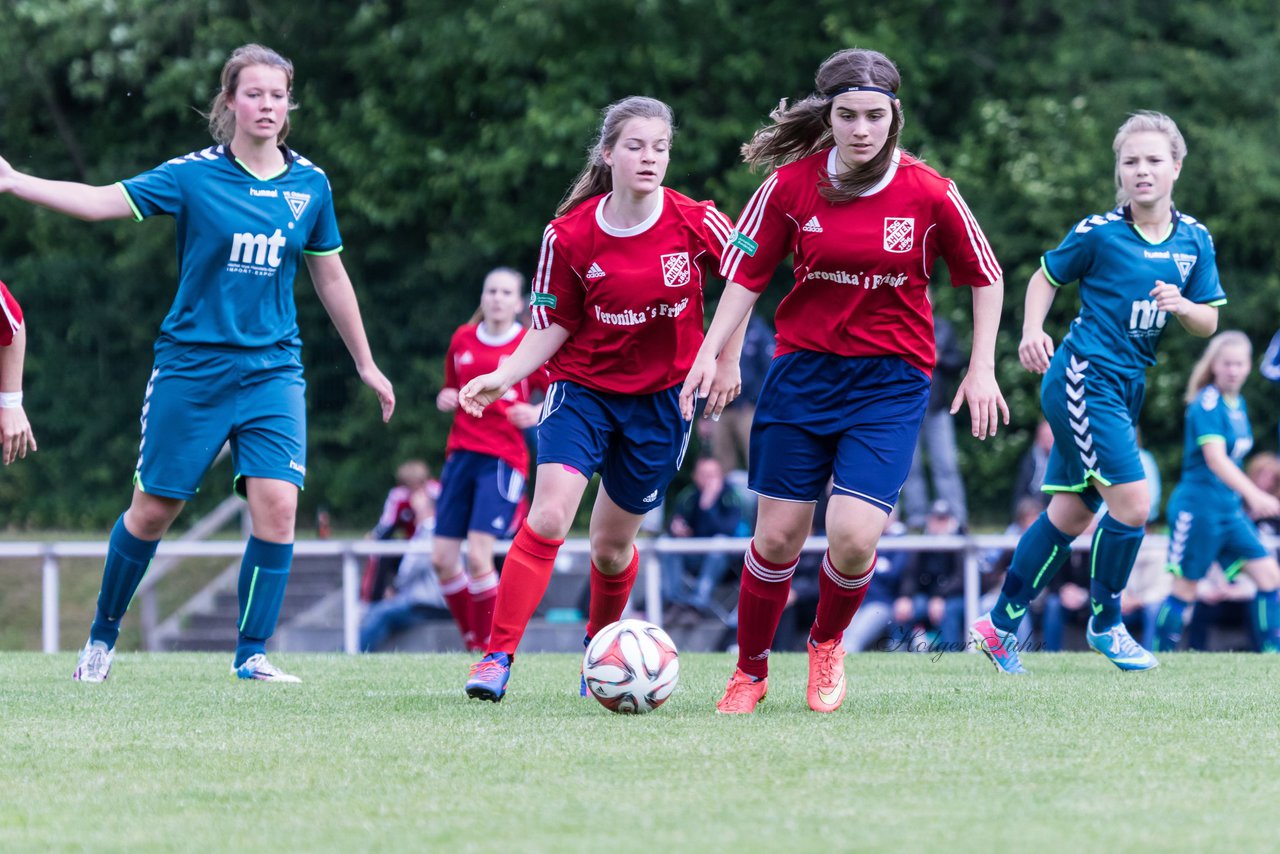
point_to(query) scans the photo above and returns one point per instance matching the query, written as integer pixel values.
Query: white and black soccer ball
(631, 667)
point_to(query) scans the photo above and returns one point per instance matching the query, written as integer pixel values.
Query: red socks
(526, 572)
(458, 599)
(761, 599)
(839, 597)
(609, 594)
(484, 590)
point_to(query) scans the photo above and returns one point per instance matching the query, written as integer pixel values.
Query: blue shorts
(1200, 536)
(1092, 411)
(200, 396)
(636, 442)
(852, 419)
(478, 492)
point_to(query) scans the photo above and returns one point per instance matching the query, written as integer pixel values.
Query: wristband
(10, 399)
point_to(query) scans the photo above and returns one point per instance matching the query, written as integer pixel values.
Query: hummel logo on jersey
(813, 226)
(595, 272)
(651, 497)
(265, 194)
(297, 202)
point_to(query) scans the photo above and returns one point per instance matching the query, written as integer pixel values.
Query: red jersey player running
(16, 437)
(617, 309)
(487, 459)
(846, 392)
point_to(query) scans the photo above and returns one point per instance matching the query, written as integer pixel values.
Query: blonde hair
(1202, 373)
(596, 177)
(1145, 121)
(222, 121)
(804, 128)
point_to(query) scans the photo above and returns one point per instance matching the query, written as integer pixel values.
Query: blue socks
(1169, 623)
(1041, 552)
(1266, 619)
(264, 571)
(1115, 548)
(127, 560)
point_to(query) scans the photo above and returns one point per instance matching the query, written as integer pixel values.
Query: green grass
(385, 753)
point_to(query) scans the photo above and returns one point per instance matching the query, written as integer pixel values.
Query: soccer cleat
(1119, 647)
(741, 694)
(95, 663)
(257, 668)
(489, 677)
(999, 646)
(582, 675)
(826, 675)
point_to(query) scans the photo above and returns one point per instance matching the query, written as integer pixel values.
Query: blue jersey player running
(227, 362)
(1207, 510)
(1136, 265)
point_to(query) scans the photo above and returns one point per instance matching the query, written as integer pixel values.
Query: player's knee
(149, 518)
(478, 564)
(1266, 574)
(610, 555)
(851, 551)
(550, 521)
(779, 546)
(1133, 512)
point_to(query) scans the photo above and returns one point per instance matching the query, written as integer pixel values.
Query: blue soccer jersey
(1212, 417)
(239, 238)
(1117, 266)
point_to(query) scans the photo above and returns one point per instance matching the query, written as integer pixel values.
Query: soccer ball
(631, 667)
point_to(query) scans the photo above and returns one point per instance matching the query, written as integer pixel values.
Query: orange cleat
(826, 675)
(741, 694)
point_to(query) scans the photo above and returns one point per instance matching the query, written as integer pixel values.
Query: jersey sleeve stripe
(10, 318)
(542, 279)
(319, 252)
(719, 225)
(748, 224)
(1210, 437)
(137, 215)
(1044, 268)
(981, 248)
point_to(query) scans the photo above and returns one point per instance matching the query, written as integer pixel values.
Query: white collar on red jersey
(497, 340)
(832, 167)
(614, 231)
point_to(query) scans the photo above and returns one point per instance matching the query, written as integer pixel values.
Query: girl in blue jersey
(1207, 509)
(227, 362)
(1136, 265)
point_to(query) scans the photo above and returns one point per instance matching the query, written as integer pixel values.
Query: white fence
(352, 551)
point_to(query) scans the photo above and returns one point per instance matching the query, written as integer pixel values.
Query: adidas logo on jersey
(813, 226)
(595, 272)
(651, 497)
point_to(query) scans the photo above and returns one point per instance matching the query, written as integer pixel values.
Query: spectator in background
(15, 430)
(938, 434)
(931, 589)
(729, 437)
(417, 599)
(1264, 470)
(705, 508)
(1031, 468)
(409, 504)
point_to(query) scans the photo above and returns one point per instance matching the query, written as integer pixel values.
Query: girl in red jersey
(487, 459)
(617, 311)
(846, 393)
(16, 437)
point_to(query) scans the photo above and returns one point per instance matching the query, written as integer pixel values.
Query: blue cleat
(1119, 647)
(582, 675)
(489, 677)
(999, 646)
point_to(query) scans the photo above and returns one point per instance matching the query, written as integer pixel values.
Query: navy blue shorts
(200, 396)
(478, 492)
(1200, 535)
(854, 419)
(636, 442)
(1092, 411)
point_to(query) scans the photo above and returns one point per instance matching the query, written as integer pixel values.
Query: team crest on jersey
(899, 233)
(675, 269)
(1185, 263)
(466, 358)
(297, 202)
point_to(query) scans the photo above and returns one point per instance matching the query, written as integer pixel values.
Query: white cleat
(95, 663)
(257, 667)
(1119, 647)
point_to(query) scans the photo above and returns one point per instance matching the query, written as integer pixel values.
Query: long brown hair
(222, 121)
(804, 128)
(596, 178)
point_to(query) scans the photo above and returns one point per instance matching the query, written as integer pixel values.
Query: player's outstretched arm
(81, 201)
(537, 346)
(338, 297)
(1261, 504)
(16, 437)
(979, 388)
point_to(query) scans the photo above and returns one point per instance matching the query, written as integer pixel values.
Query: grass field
(385, 753)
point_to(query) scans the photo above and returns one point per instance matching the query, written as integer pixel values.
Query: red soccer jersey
(472, 353)
(631, 299)
(10, 316)
(861, 267)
